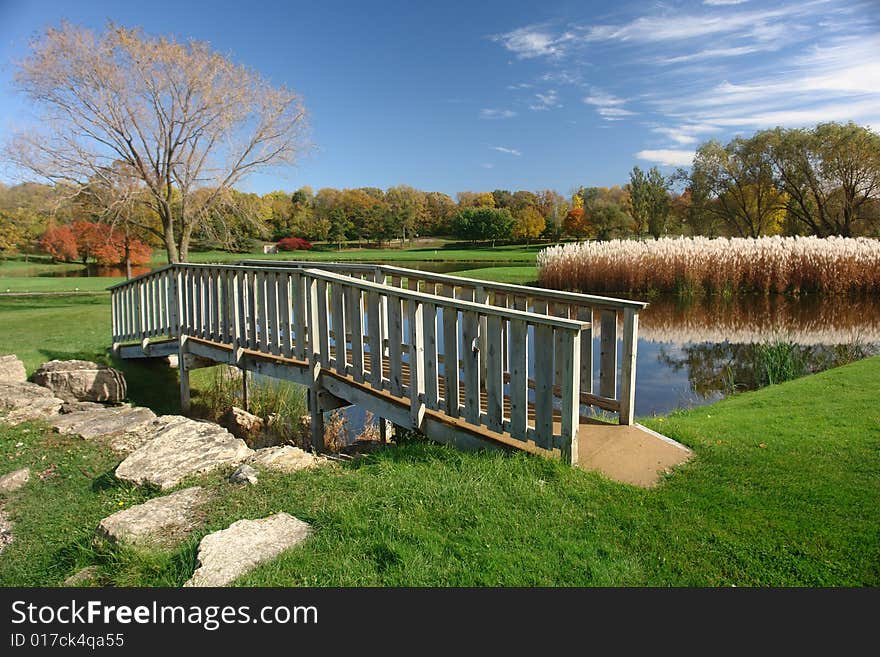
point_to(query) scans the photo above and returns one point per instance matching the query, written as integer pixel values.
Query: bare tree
(186, 121)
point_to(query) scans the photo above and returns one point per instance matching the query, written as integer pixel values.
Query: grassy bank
(783, 492)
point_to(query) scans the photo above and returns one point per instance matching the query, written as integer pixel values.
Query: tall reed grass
(832, 265)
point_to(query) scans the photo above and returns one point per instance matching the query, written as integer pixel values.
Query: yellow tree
(529, 224)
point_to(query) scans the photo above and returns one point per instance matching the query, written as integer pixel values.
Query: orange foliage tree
(60, 243)
(576, 223)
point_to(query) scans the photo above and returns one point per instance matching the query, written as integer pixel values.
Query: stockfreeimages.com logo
(210, 617)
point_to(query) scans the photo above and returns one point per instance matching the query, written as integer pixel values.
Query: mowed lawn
(784, 490)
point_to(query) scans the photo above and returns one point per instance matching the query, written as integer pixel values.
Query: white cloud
(487, 165)
(497, 114)
(677, 27)
(601, 99)
(723, 3)
(607, 105)
(667, 156)
(533, 41)
(503, 149)
(546, 101)
(684, 134)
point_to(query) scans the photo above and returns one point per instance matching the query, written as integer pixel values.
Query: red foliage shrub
(294, 244)
(60, 243)
(85, 240)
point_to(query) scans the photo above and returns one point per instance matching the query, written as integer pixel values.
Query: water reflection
(694, 353)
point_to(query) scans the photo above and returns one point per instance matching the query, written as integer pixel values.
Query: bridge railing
(607, 378)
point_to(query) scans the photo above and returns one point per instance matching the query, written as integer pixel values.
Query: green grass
(525, 275)
(440, 252)
(784, 491)
(56, 284)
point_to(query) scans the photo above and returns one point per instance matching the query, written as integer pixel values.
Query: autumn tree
(830, 173)
(576, 223)
(529, 224)
(60, 243)
(182, 117)
(735, 182)
(475, 200)
(553, 207)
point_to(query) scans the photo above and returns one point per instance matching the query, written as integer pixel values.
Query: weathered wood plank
(608, 355)
(586, 315)
(519, 378)
(355, 314)
(494, 373)
(284, 315)
(450, 353)
(262, 314)
(416, 362)
(272, 332)
(374, 313)
(470, 356)
(569, 355)
(395, 337)
(299, 315)
(323, 324)
(544, 375)
(432, 374)
(337, 296)
(628, 367)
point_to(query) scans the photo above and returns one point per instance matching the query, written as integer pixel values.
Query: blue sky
(454, 96)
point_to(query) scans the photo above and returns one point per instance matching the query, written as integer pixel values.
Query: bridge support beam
(183, 367)
(317, 420)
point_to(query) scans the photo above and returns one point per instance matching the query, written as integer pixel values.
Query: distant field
(55, 284)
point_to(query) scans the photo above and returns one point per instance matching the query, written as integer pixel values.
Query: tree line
(818, 181)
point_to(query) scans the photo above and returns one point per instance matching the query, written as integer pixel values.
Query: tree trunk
(168, 238)
(185, 237)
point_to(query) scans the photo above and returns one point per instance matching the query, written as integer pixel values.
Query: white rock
(27, 401)
(286, 459)
(182, 449)
(105, 421)
(81, 380)
(244, 474)
(12, 369)
(226, 555)
(160, 522)
(14, 480)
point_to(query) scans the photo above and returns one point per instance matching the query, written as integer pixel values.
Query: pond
(697, 352)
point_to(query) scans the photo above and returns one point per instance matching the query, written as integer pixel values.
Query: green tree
(830, 173)
(735, 182)
(483, 224)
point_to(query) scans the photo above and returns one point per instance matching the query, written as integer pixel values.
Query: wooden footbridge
(469, 362)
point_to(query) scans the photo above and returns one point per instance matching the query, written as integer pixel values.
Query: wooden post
(570, 390)
(245, 391)
(608, 355)
(183, 372)
(628, 368)
(317, 420)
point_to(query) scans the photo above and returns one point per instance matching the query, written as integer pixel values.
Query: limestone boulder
(286, 459)
(252, 429)
(23, 401)
(226, 555)
(12, 481)
(12, 369)
(81, 380)
(180, 449)
(244, 474)
(160, 522)
(104, 421)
